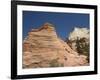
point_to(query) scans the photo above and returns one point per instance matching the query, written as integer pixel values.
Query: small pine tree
(78, 46)
(82, 47)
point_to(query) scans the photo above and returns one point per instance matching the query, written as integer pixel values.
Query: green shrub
(82, 47)
(55, 63)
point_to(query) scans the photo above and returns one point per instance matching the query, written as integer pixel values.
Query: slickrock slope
(79, 41)
(42, 48)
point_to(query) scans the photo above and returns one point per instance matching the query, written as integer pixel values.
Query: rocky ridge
(43, 48)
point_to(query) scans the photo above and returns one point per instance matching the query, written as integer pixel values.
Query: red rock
(43, 48)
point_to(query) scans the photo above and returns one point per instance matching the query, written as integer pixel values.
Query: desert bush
(55, 63)
(82, 47)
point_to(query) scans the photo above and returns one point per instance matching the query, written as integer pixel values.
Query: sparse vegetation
(55, 63)
(82, 47)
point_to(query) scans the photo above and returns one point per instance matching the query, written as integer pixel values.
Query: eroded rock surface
(43, 48)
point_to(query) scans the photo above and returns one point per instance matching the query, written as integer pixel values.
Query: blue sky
(64, 22)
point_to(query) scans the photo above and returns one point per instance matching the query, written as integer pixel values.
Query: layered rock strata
(43, 48)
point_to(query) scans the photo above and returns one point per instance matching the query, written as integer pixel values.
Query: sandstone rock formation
(79, 41)
(43, 48)
(80, 33)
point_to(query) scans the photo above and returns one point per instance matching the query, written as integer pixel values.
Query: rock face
(82, 34)
(79, 41)
(42, 48)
